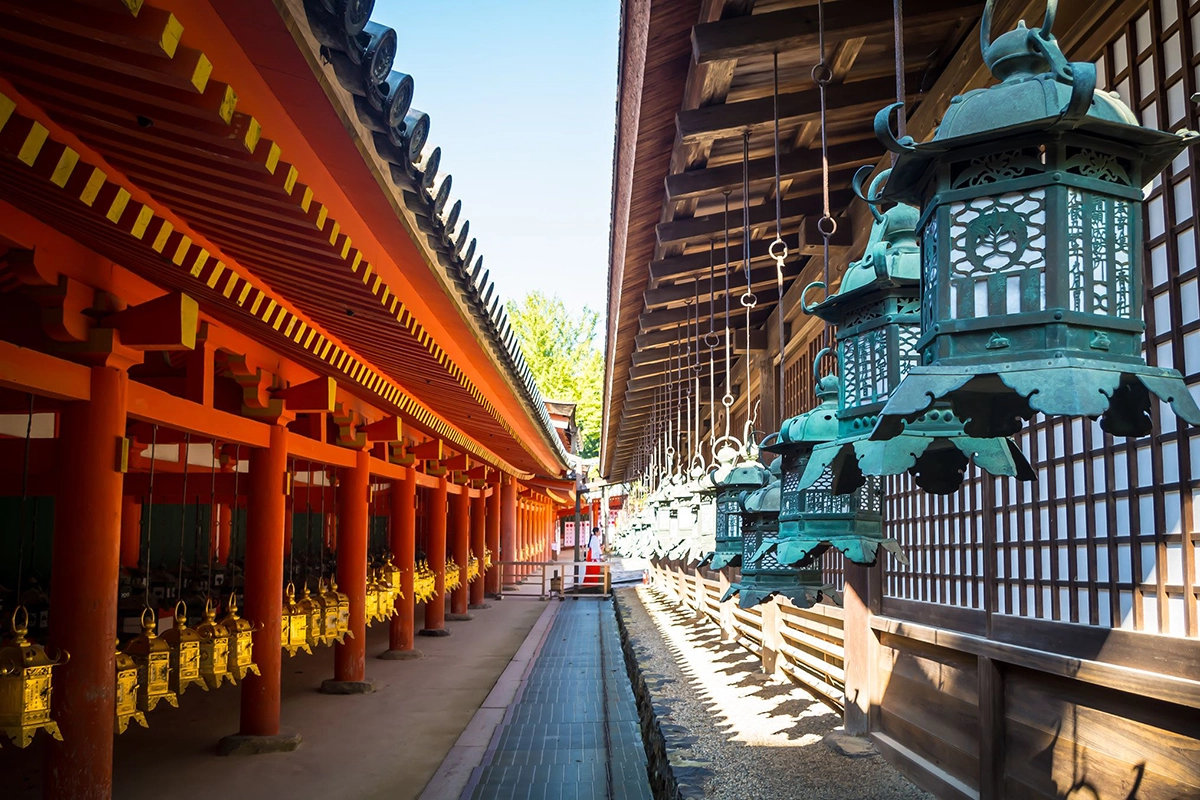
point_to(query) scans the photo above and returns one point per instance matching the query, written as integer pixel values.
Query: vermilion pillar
(522, 535)
(435, 609)
(266, 508)
(508, 527)
(404, 548)
(131, 530)
(83, 595)
(460, 506)
(354, 505)
(478, 546)
(492, 535)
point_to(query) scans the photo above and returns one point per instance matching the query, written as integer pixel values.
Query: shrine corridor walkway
(572, 732)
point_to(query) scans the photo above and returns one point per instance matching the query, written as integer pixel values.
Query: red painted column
(224, 532)
(522, 536)
(265, 511)
(508, 526)
(478, 545)
(492, 537)
(404, 547)
(435, 609)
(131, 531)
(354, 500)
(460, 506)
(83, 596)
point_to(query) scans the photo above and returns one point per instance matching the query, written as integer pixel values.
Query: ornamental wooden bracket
(388, 429)
(431, 453)
(257, 402)
(347, 421)
(63, 305)
(317, 395)
(398, 454)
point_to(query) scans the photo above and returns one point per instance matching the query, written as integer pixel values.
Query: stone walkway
(573, 732)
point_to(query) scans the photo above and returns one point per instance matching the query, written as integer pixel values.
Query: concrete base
(401, 655)
(331, 686)
(479, 606)
(431, 632)
(459, 617)
(242, 745)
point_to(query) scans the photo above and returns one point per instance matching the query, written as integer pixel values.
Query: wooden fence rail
(805, 645)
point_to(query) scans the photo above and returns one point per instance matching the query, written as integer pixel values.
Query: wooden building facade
(1043, 642)
(244, 333)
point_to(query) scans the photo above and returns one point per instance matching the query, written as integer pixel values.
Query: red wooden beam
(165, 323)
(318, 394)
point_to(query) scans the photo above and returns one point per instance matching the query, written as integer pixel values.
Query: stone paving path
(573, 732)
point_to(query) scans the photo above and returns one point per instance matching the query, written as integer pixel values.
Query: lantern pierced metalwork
(185, 652)
(293, 635)
(152, 655)
(241, 641)
(26, 683)
(1032, 248)
(877, 311)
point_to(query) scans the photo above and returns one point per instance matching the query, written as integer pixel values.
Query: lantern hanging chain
(778, 249)
(307, 522)
(289, 530)
(324, 528)
(150, 510)
(711, 340)
(749, 301)
(229, 559)
(822, 75)
(898, 46)
(727, 398)
(214, 510)
(184, 450)
(24, 503)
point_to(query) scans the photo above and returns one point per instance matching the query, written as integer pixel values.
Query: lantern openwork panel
(1032, 248)
(26, 682)
(730, 480)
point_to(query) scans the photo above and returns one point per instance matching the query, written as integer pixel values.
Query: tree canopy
(560, 347)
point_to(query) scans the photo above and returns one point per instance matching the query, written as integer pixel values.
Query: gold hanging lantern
(296, 636)
(472, 569)
(391, 579)
(372, 600)
(453, 576)
(424, 582)
(214, 649)
(487, 558)
(185, 653)
(314, 619)
(127, 699)
(329, 612)
(241, 642)
(343, 618)
(152, 655)
(25, 681)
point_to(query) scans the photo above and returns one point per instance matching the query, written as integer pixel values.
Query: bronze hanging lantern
(152, 655)
(343, 606)
(812, 518)
(185, 652)
(763, 576)
(372, 600)
(215, 645)
(127, 693)
(328, 601)
(1032, 248)
(729, 480)
(241, 641)
(314, 620)
(26, 681)
(876, 311)
(424, 582)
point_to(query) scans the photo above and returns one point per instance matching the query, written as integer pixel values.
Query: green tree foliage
(561, 349)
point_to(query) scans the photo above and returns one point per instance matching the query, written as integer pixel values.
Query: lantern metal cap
(815, 426)
(747, 475)
(992, 399)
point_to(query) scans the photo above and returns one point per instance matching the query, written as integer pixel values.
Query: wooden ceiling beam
(793, 28)
(795, 108)
(670, 317)
(794, 165)
(684, 291)
(737, 322)
(677, 266)
(802, 201)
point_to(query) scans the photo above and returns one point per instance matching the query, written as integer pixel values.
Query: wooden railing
(804, 644)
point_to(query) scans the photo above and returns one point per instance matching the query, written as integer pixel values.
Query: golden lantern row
(453, 575)
(26, 675)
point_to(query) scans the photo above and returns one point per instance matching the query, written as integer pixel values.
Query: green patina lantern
(877, 311)
(730, 479)
(812, 518)
(1031, 240)
(762, 573)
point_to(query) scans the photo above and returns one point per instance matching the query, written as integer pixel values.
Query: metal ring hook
(989, 11)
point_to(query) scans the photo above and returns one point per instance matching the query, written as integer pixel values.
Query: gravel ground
(746, 735)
